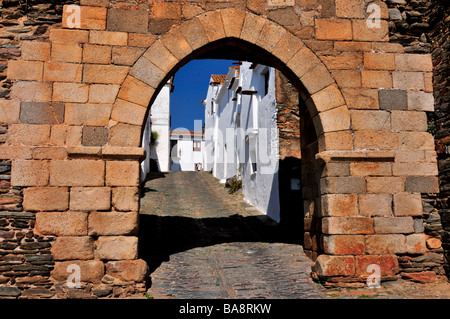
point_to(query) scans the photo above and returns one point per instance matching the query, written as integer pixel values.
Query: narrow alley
(202, 242)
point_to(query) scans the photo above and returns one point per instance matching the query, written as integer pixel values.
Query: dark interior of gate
(296, 225)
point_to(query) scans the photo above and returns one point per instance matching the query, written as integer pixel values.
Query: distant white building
(187, 150)
(241, 133)
(158, 127)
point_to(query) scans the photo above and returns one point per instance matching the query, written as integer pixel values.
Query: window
(266, 82)
(197, 146)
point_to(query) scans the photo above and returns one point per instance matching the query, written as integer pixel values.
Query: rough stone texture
(341, 64)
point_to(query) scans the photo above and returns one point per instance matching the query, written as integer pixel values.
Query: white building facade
(241, 133)
(158, 124)
(187, 150)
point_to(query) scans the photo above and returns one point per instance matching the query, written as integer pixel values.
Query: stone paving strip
(203, 243)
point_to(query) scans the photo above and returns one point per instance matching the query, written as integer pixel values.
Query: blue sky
(191, 85)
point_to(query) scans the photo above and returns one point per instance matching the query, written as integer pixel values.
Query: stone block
(157, 26)
(337, 119)
(160, 56)
(409, 121)
(415, 141)
(361, 98)
(407, 204)
(344, 61)
(370, 169)
(70, 92)
(117, 247)
(50, 152)
(16, 152)
(77, 173)
(326, 99)
(127, 20)
(165, 10)
(350, 9)
(122, 173)
(344, 244)
(302, 61)
(420, 101)
(73, 247)
(375, 120)
(97, 54)
(252, 27)
(329, 266)
(212, 18)
(94, 136)
(66, 52)
(136, 91)
(127, 112)
(123, 134)
(104, 74)
(125, 198)
(126, 55)
(69, 36)
(342, 185)
(428, 82)
(336, 169)
(361, 32)
(347, 78)
(393, 225)
(35, 51)
(108, 38)
(128, 270)
(46, 199)
(90, 270)
(66, 135)
(62, 72)
(392, 99)
(28, 134)
(42, 113)
(385, 184)
(112, 223)
(317, 78)
(342, 140)
(376, 140)
(388, 265)
(339, 205)
(147, 72)
(408, 80)
(333, 29)
(375, 205)
(9, 111)
(25, 70)
(415, 169)
(90, 198)
(347, 225)
(175, 42)
(422, 184)
(287, 47)
(103, 93)
(193, 32)
(88, 114)
(385, 244)
(376, 79)
(141, 40)
(379, 61)
(29, 173)
(93, 18)
(413, 62)
(232, 19)
(31, 91)
(415, 244)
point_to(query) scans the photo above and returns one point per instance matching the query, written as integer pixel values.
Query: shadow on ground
(160, 237)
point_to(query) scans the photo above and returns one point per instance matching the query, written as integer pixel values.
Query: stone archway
(366, 99)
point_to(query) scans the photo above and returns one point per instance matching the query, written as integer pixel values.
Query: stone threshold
(106, 152)
(350, 156)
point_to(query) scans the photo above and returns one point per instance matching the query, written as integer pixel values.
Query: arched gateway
(80, 101)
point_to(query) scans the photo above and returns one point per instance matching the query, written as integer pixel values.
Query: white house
(241, 133)
(158, 125)
(187, 150)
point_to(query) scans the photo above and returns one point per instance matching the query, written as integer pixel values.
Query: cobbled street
(203, 243)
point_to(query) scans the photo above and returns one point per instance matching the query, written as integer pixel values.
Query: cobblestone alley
(202, 242)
